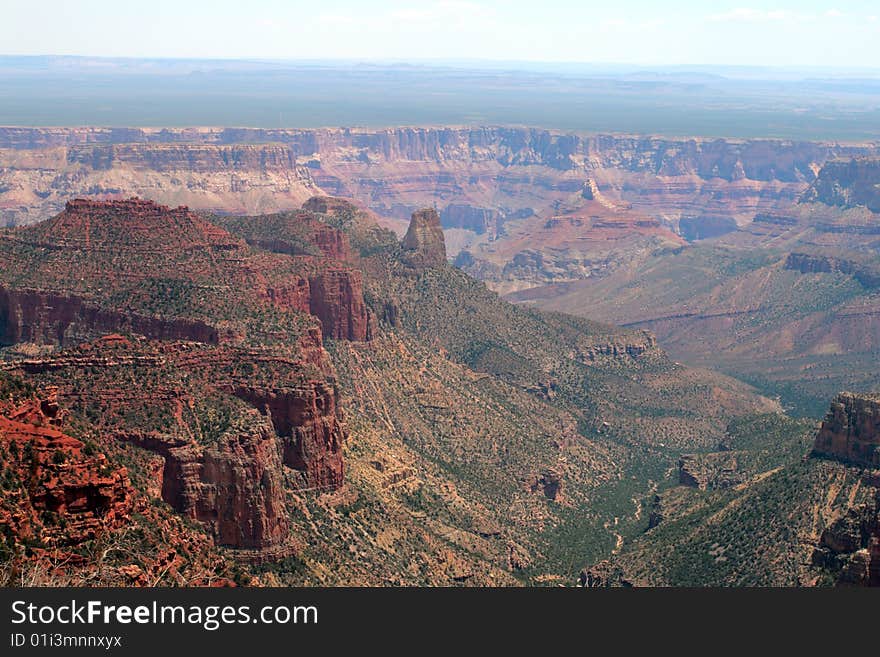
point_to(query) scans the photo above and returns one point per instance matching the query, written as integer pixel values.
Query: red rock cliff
(53, 318)
(308, 422)
(337, 299)
(851, 430)
(235, 488)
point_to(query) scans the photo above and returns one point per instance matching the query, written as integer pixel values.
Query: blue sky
(783, 33)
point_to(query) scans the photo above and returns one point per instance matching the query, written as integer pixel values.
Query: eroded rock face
(424, 244)
(235, 488)
(61, 493)
(850, 547)
(396, 170)
(848, 183)
(309, 424)
(851, 430)
(233, 467)
(336, 297)
(468, 217)
(51, 318)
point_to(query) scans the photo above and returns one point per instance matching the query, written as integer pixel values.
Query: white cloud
(834, 13)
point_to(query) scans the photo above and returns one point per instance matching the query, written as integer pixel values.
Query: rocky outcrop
(336, 297)
(851, 430)
(308, 421)
(807, 263)
(603, 575)
(632, 346)
(57, 491)
(231, 475)
(234, 487)
(655, 514)
(549, 484)
(424, 245)
(711, 471)
(847, 183)
(330, 205)
(849, 549)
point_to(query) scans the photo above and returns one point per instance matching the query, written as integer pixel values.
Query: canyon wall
(477, 176)
(53, 318)
(308, 422)
(848, 183)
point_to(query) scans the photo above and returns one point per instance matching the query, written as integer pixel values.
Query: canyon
(278, 381)
(479, 177)
(308, 389)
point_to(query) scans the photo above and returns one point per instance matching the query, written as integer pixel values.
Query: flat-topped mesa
(424, 245)
(133, 206)
(151, 220)
(851, 430)
(329, 205)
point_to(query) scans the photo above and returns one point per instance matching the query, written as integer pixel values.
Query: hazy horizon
(782, 33)
(733, 71)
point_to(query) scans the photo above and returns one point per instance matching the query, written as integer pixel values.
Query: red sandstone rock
(424, 244)
(337, 299)
(308, 422)
(235, 488)
(65, 495)
(851, 430)
(48, 317)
